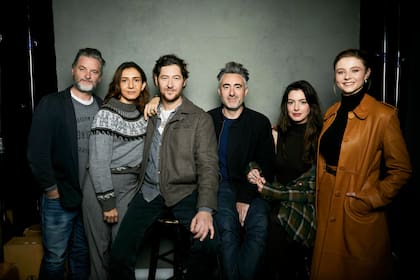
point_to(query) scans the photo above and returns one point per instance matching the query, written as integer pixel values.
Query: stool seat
(170, 228)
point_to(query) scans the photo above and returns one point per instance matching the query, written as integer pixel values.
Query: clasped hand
(254, 177)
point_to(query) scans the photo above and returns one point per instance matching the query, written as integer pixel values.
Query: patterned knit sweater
(115, 146)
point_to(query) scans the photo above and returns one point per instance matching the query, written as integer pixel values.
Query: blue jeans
(63, 237)
(242, 248)
(138, 220)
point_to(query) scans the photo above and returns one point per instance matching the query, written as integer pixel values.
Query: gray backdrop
(279, 41)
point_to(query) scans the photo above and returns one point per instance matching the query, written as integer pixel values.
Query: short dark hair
(170, 59)
(89, 52)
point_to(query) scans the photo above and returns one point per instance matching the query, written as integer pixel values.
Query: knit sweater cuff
(108, 204)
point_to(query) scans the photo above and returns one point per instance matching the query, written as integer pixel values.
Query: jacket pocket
(358, 210)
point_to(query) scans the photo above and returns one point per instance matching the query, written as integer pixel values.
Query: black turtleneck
(289, 163)
(330, 144)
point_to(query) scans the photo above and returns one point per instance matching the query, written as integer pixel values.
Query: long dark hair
(114, 89)
(314, 123)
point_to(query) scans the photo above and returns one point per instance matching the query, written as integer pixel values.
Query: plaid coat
(297, 211)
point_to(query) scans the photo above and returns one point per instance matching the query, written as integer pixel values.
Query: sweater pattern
(119, 119)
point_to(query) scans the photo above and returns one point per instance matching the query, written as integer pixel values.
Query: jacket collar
(361, 111)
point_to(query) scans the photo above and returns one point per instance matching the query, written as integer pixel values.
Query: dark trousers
(285, 259)
(138, 220)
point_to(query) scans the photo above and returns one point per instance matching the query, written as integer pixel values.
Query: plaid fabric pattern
(297, 210)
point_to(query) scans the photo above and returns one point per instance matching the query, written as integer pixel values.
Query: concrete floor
(164, 270)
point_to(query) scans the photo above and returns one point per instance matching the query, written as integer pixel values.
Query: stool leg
(154, 254)
(178, 256)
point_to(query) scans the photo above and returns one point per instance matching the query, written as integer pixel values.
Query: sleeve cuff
(108, 204)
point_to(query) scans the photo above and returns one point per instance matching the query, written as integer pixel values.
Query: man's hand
(53, 194)
(202, 224)
(111, 216)
(151, 108)
(242, 209)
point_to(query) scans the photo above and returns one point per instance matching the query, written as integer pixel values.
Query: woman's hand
(254, 177)
(111, 216)
(151, 108)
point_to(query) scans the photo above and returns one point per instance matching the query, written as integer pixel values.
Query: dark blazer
(250, 139)
(52, 147)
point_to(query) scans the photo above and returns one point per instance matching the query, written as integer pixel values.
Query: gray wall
(279, 41)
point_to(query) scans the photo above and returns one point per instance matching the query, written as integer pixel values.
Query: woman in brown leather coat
(362, 164)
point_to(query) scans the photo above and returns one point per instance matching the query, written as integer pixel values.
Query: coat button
(332, 219)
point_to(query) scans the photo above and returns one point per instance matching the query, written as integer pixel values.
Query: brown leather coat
(352, 240)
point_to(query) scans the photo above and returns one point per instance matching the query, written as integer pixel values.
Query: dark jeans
(242, 248)
(138, 220)
(63, 237)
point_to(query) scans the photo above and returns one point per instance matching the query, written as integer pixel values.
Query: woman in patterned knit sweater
(115, 153)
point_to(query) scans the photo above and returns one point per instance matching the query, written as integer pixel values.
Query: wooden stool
(170, 228)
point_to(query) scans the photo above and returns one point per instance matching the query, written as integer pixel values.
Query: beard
(83, 87)
(171, 99)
